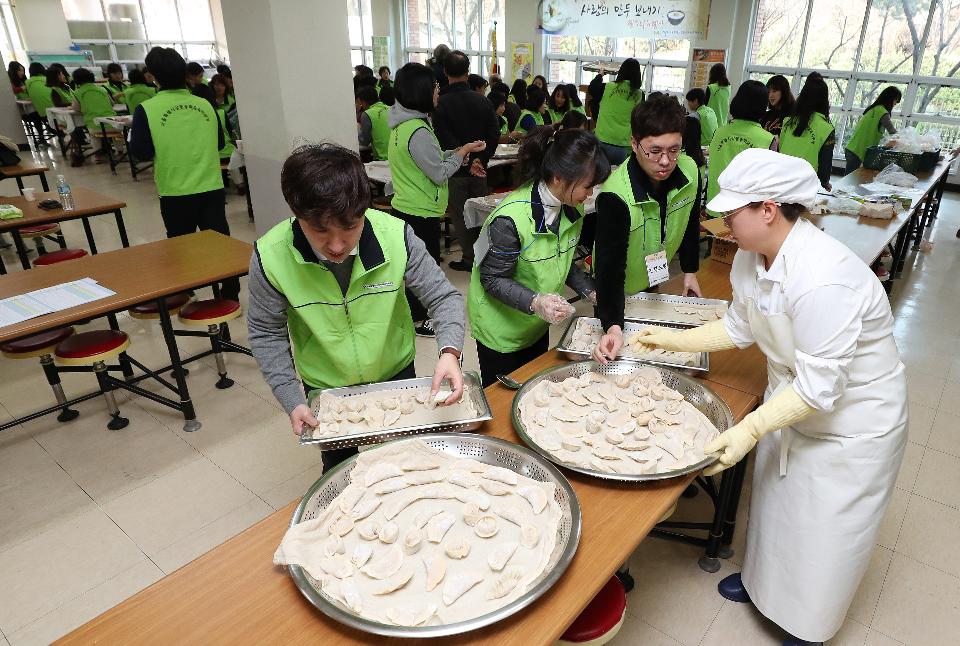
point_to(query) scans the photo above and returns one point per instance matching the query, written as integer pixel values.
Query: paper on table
(51, 299)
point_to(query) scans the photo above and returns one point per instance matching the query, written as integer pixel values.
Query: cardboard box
(722, 247)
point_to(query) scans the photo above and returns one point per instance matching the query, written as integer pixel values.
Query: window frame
(366, 40)
(484, 55)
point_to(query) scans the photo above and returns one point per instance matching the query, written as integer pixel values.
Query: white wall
(42, 25)
(387, 20)
(521, 27)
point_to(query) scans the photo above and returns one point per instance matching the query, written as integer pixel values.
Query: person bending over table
(329, 282)
(525, 252)
(647, 212)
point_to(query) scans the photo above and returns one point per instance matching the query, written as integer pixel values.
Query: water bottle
(63, 190)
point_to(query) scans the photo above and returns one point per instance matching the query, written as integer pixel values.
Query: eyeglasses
(672, 154)
(729, 214)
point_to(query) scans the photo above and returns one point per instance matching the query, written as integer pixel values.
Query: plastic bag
(842, 206)
(911, 140)
(896, 176)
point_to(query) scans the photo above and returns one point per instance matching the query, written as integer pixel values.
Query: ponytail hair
(568, 155)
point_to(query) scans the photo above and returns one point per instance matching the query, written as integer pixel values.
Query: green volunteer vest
(137, 94)
(66, 94)
(381, 129)
(184, 132)
(555, 117)
(229, 100)
(868, 131)
(645, 220)
(720, 101)
(504, 130)
(40, 95)
(807, 145)
(729, 141)
(613, 126)
(228, 146)
(95, 102)
(413, 191)
(338, 340)
(537, 117)
(708, 124)
(543, 264)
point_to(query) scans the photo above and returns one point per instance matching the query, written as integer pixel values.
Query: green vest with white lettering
(413, 192)
(645, 225)
(95, 102)
(708, 124)
(380, 130)
(363, 337)
(542, 265)
(228, 146)
(868, 131)
(537, 118)
(729, 141)
(184, 132)
(618, 101)
(808, 143)
(720, 101)
(40, 95)
(137, 94)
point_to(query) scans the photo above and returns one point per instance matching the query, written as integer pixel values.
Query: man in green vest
(649, 210)
(329, 283)
(182, 135)
(138, 91)
(374, 131)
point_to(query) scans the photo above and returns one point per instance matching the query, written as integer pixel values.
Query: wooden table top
(137, 274)
(23, 168)
(233, 594)
(87, 203)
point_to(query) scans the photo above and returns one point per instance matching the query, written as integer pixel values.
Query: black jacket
(463, 116)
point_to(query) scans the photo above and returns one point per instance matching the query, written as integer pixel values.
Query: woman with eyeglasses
(647, 212)
(831, 432)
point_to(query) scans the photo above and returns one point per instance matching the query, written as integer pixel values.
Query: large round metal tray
(695, 392)
(489, 450)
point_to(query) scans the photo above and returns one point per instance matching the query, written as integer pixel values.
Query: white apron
(820, 488)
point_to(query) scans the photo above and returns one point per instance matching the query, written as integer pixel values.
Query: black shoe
(461, 265)
(425, 329)
(731, 588)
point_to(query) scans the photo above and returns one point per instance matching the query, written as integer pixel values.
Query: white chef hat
(758, 174)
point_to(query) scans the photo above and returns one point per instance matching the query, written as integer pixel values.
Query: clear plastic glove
(780, 411)
(447, 370)
(302, 416)
(552, 308)
(708, 337)
(609, 346)
(472, 147)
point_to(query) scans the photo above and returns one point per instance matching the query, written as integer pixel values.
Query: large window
(862, 46)
(123, 31)
(574, 60)
(360, 26)
(11, 45)
(467, 25)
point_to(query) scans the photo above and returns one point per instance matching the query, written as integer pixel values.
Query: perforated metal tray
(489, 450)
(472, 389)
(630, 326)
(695, 392)
(673, 299)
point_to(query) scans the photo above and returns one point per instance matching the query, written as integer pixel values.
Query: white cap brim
(727, 200)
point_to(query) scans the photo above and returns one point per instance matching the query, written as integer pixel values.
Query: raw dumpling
(349, 498)
(472, 513)
(468, 465)
(438, 526)
(391, 417)
(342, 527)
(501, 555)
(613, 437)
(457, 547)
(333, 545)
(361, 554)
(388, 533)
(351, 595)
(381, 471)
(387, 565)
(412, 540)
(390, 485)
(541, 399)
(534, 495)
(480, 499)
(463, 479)
(505, 584)
(413, 615)
(436, 567)
(365, 508)
(500, 474)
(419, 463)
(389, 403)
(458, 584)
(529, 536)
(424, 477)
(337, 565)
(494, 488)
(486, 526)
(369, 530)
(395, 582)
(423, 517)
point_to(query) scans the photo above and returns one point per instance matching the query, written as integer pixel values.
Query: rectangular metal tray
(673, 299)
(472, 388)
(630, 326)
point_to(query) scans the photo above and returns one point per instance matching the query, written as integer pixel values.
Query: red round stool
(151, 310)
(38, 232)
(60, 255)
(42, 345)
(212, 314)
(95, 349)
(601, 620)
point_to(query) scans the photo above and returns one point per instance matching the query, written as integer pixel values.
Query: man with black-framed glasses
(648, 212)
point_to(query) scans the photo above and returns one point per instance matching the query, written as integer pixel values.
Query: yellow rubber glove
(709, 337)
(783, 409)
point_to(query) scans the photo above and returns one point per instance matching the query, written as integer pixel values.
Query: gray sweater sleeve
(366, 130)
(887, 124)
(429, 284)
(436, 164)
(269, 339)
(499, 265)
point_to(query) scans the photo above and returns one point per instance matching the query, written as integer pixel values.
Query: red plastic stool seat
(60, 255)
(86, 348)
(35, 345)
(601, 619)
(209, 312)
(151, 310)
(39, 229)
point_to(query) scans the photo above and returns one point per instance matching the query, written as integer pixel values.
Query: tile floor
(88, 516)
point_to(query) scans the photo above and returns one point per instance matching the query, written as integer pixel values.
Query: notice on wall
(701, 60)
(381, 51)
(651, 19)
(521, 56)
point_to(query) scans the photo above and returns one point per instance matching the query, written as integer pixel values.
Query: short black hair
(114, 67)
(414, 87)
(535, 98)
(168, 67)
(224, 70)
(750, 101)
(718, 75)
(53, 76)
(383, 67)
(37, 69)
(500, 87)
(568, 155)
(456, 64)
(362, 70)
(194, 68)
(573, 95)
(368, 95)
(572, 120)
(363, 81)
(136, 77)
(519, 91)
(325, 181)
(496, 99)
(477, 82)
(387, 95)
(659, 115)
(697, 94)
(82, 75)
